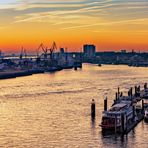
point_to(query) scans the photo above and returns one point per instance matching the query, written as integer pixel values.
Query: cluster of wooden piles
(125, 102)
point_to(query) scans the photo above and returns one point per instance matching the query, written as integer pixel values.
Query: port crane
(52, 50)
(23, 61)
(23, 53)
(45, 51)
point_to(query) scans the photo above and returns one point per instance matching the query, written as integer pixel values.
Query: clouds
(75, 13)
(73, 22)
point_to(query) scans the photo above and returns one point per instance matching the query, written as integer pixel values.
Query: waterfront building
(123, 51)
(62, 50)
(89, 51)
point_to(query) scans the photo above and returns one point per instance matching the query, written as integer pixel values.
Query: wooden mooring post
(105, 104)
(118, 92)
(142, 106)
(93, 109)
(116, 96)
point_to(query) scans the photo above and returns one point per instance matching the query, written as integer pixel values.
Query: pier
(134, 124)
(124, 114)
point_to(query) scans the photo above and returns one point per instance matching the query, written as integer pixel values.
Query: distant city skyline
(108, 24)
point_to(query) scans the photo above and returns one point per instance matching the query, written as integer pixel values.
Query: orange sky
(109, 24)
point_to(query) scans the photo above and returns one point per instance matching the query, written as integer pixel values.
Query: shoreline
(20, 73)
(9, 74)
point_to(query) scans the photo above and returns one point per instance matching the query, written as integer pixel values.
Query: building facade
(89, 51)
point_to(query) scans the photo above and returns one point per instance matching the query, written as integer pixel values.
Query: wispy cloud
(131, 21)
(76, 13)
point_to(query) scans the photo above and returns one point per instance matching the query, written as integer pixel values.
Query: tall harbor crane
(52, 50)
(23, 53)
(44, 49)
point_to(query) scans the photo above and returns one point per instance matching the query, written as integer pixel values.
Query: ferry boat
(146, 115)
(118, 114)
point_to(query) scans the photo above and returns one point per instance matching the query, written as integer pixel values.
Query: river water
(53, 110)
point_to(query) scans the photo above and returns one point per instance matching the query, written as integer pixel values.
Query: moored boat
(118, 116)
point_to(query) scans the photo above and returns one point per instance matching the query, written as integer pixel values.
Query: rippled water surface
(53, 110)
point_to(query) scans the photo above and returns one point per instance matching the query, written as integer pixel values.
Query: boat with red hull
(119, 114)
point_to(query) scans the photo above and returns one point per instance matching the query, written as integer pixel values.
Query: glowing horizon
(109, 24)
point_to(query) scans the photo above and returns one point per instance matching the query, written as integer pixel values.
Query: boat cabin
(118, 107)
(112, 117)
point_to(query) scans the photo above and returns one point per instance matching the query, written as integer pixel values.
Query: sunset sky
(109, 24)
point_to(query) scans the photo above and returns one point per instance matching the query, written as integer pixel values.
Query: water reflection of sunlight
(62, 118)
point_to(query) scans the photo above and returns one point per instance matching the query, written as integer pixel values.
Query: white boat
(120, 113)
